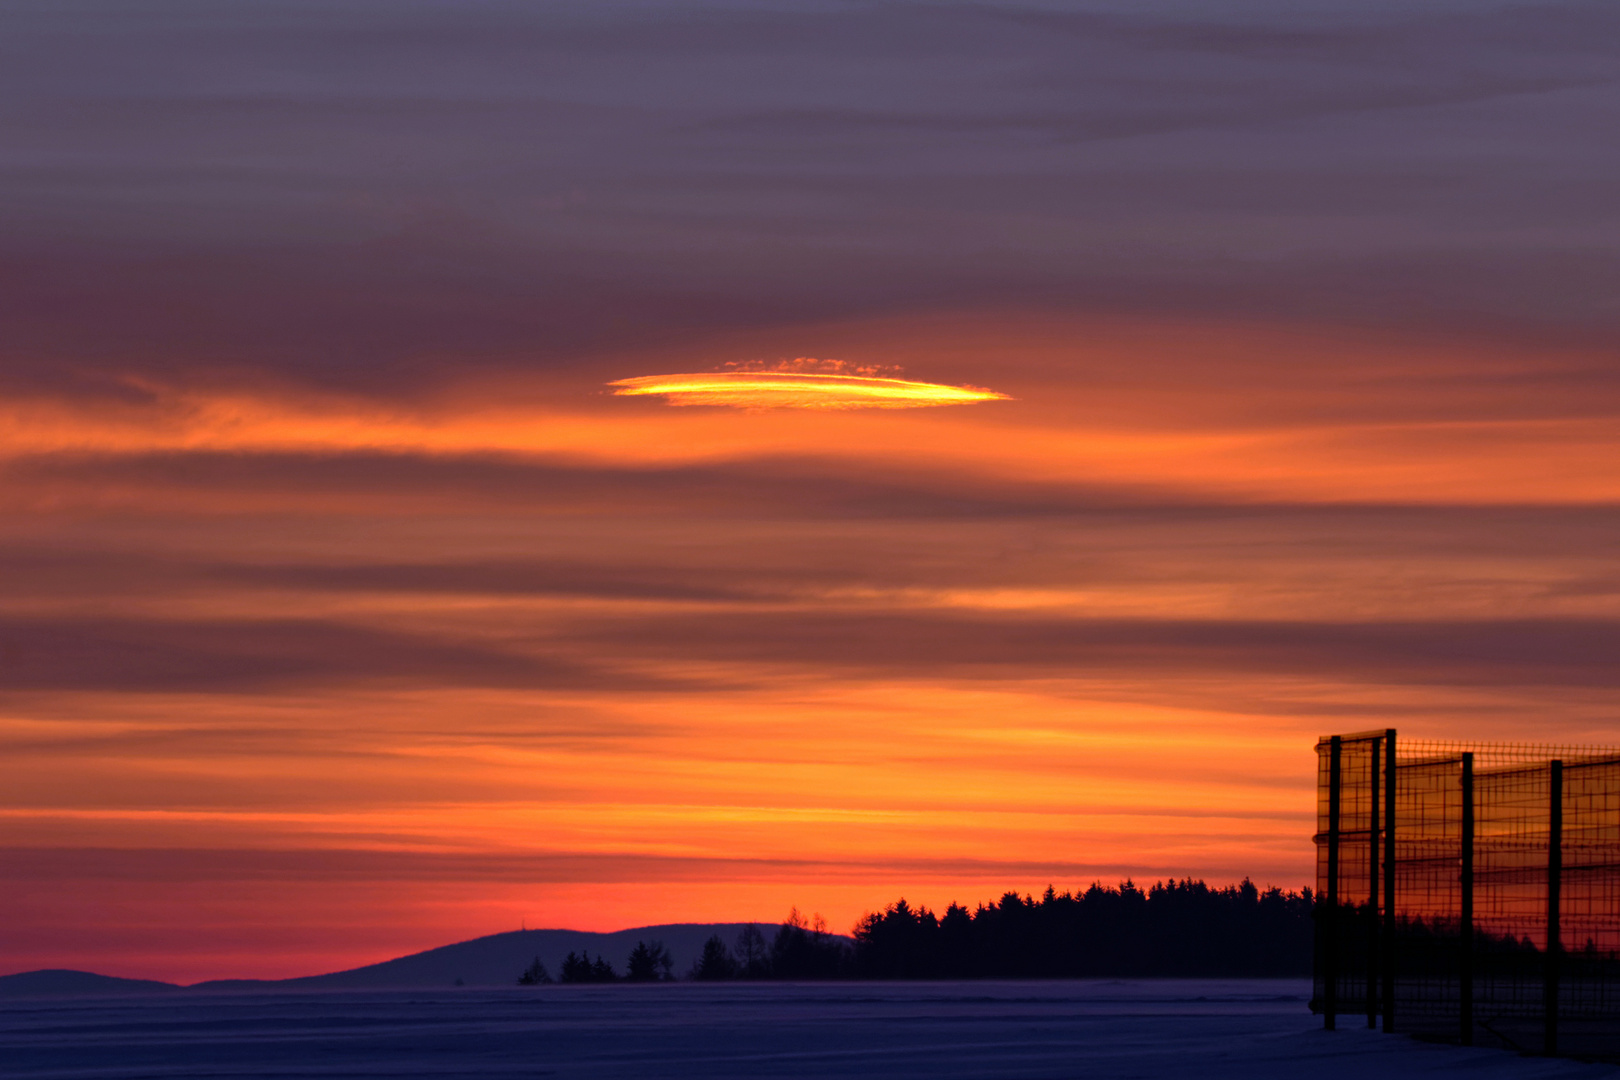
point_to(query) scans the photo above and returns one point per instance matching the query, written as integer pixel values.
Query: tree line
(649, 962)
(1183, 928)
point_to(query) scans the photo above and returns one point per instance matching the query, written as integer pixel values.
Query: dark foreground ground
(1119, 1030)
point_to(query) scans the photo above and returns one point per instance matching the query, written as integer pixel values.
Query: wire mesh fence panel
(1428, 813)
(1510, 901)
(1589, 983)
(1349, 860)
(1471, 893)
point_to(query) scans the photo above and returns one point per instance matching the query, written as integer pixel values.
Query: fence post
(1328, 924)
(1389, 880)
(1373, 764)
(1465, 943)
(1555, 885)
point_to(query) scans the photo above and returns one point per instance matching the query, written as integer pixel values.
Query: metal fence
(1470, 893)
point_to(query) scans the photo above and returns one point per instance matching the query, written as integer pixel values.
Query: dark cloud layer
(1479, 652)
(122, 654)
(760, 486)
(103, 654)
(758, 597)
(388, 192)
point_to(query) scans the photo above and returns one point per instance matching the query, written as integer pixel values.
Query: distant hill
(57, 982)
(496, 960)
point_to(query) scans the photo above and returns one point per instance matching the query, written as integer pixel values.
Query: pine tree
(535, 974)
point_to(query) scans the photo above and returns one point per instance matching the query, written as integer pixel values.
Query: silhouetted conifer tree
(535, 974)
(582, 969)
(753, 955)
(1172, 928)
(806, 951)
(715, 963)
(649, 962)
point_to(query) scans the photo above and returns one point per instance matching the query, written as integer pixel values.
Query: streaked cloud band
(800, 390)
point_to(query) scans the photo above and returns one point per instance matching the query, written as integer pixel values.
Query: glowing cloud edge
(801, 390)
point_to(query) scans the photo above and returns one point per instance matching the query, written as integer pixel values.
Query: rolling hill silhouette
(496, 960)
(60, 982)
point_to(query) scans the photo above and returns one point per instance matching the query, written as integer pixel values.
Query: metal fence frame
(1470, 892)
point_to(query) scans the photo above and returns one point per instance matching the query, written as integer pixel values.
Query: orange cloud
(801, 390)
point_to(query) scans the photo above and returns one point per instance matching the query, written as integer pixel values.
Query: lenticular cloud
(801, 390)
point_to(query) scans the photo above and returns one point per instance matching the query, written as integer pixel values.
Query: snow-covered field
(1118, 1030)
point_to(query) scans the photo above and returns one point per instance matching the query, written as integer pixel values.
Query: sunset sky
(1261, 373)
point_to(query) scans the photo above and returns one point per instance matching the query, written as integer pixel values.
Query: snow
(1119, 1029)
